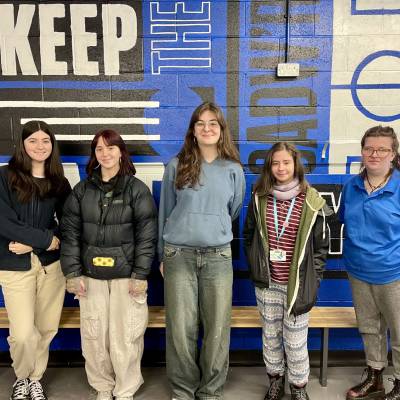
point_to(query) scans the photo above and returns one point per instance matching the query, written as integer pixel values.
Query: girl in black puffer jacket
(109, 232)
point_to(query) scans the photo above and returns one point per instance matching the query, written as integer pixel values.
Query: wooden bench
(242, 317)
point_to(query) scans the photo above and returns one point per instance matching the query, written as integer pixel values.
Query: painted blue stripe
(106, 85)
(376, 12)
(368, 86)
(99, 85)
(380, 11)
(21, 85)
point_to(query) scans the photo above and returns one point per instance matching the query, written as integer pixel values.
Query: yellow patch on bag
(103, 261)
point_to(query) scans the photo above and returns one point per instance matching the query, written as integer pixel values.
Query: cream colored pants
(112, 329)
(34, 301)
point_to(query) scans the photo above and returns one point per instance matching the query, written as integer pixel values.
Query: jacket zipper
(257, 216)
(106, 202)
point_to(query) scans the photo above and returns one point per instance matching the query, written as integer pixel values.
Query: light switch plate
(288, 70)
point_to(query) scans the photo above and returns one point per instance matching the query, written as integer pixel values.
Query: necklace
(376, 187)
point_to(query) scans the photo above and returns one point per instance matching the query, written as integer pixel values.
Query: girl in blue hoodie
(202, 193)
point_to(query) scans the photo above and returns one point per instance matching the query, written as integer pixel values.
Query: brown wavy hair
(266, 182)
(20, 168)
(190, 158)
(111, 138)
(382, 131)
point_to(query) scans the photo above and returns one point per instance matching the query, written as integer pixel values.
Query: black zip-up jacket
(109, 234)
(31, 223)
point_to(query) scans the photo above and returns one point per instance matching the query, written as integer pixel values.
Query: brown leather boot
(370, 388)
(394, 394)
(276, 388)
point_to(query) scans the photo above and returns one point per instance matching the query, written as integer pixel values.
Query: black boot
(370, 388)
(276, 388)
(394, 394)
(299, 393)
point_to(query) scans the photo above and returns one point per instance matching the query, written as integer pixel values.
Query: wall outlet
(288, 70)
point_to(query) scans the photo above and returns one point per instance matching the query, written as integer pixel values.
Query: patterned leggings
(283, 335)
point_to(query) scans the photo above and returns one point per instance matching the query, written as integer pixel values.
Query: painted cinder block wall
(141, 67)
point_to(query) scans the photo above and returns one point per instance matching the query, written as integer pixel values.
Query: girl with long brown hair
(286, 245)
(202, 192)
(32, 192)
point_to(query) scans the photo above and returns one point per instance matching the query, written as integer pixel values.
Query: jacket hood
(314, 199)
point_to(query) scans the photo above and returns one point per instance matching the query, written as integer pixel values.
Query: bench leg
(323, 371)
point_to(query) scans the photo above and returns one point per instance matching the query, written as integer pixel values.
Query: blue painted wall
(141, 67)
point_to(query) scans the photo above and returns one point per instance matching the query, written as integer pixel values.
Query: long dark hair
(190, 158)
(20, 167)
(111, 138)
(266, 182)
(382, 131)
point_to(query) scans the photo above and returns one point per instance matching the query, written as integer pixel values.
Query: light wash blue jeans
(198, 290)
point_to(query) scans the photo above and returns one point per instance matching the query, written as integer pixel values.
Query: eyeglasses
(381, 152)
(202, 124)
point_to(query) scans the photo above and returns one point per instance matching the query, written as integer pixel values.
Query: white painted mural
(365, 76)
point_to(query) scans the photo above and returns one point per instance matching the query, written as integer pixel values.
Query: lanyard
(289, 213)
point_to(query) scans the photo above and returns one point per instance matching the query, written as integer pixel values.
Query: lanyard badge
(279, 254)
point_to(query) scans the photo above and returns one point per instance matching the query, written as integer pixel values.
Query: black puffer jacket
(119, 226)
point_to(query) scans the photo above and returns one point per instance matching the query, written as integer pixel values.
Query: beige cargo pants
(34, 301)
(112, 329)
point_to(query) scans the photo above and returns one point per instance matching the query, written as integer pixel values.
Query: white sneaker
(107, 395)
(20, 390)
(36, 391)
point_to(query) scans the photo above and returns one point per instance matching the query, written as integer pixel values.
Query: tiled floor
(244, 383)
